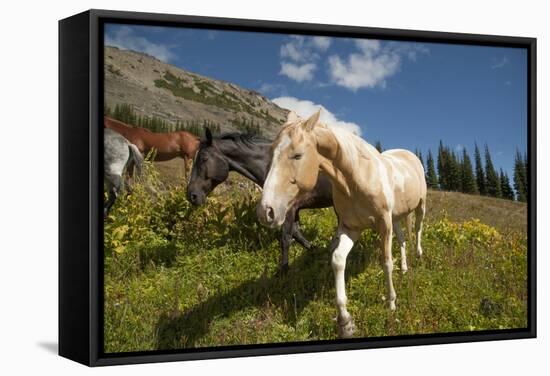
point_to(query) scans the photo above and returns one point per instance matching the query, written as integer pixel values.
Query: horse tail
(410, 225)
(137, 158)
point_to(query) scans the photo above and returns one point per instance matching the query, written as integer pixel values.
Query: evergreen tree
(431, 177)
(520, 177)
(378, 146)
(468, 183)
(453, 172)
(480, 174)
(491, 176)
(419, 155)
(441, 167)
(505, 187)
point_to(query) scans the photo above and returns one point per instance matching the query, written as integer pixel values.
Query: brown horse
(166, 146)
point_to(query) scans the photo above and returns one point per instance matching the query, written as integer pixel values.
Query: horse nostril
(193, 197)
(270, 214)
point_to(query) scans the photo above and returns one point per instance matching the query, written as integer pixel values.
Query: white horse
(370, 190)
(118, 155)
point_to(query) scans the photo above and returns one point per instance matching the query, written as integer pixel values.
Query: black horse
(250, 157)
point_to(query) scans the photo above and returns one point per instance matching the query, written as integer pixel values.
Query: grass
(184, 277)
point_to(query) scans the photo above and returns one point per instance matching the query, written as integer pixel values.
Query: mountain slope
(155, 88)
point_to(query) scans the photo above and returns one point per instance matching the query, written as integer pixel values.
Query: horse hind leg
(114, 183)
(386, 239)
(420, 213)
(130, 169)
(401, 240)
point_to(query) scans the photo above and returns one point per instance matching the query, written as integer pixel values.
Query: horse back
(407, 177)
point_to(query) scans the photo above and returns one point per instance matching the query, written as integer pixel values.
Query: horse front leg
(386, 238)
(185, 162)
(339, 256)
(296, 232)
(286, 238)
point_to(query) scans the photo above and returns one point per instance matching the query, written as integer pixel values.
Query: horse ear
(310, 123)
(291, 117)
(208, 134)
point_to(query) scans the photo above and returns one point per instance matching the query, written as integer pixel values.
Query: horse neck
(190, 143)
(120, 128)
(251, 161)
(340, 157)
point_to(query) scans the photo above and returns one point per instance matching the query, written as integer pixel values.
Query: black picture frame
(80, 183)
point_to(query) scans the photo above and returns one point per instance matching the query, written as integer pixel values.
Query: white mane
(354, 146)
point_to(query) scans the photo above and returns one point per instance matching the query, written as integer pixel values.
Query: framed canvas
(236, 187)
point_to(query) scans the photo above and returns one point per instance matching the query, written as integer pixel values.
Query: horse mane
(355, 147)
(240, 138)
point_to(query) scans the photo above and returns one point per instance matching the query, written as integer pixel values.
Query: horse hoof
(346, 330)
(283, 270)
(392, 305)
(404, 269)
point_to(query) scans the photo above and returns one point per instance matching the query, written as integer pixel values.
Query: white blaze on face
(272, 195)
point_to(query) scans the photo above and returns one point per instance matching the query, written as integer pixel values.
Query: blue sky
(407, 95)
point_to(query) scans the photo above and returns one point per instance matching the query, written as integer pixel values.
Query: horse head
(294, 169)
(210, 168)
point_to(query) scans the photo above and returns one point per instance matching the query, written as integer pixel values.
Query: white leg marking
(339, 256)
(388, 266)
(418, 227)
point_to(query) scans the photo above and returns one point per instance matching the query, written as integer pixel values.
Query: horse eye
(297, 156)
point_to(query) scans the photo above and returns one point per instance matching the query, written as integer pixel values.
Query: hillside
(505, 215)
(155, 88)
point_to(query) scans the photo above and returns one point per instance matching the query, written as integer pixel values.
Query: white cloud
(372, 65)
(125, 38)
(409, 50)
(361, 70)
(305, 109)
(294, 50)
(368, 46)
(499, 63)
(300, 54)
(302, 49)
(321, 43)
(211, 34)
(296, 72)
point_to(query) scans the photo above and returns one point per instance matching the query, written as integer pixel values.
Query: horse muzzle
(196, 198)
(269, 216)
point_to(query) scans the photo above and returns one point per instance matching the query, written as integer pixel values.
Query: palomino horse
(117, 155)
(166, 146)
(250, 157)
(369, 189)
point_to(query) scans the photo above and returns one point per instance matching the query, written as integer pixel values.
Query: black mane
(242, 138)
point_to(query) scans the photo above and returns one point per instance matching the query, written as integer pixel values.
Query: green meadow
(178, 276)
